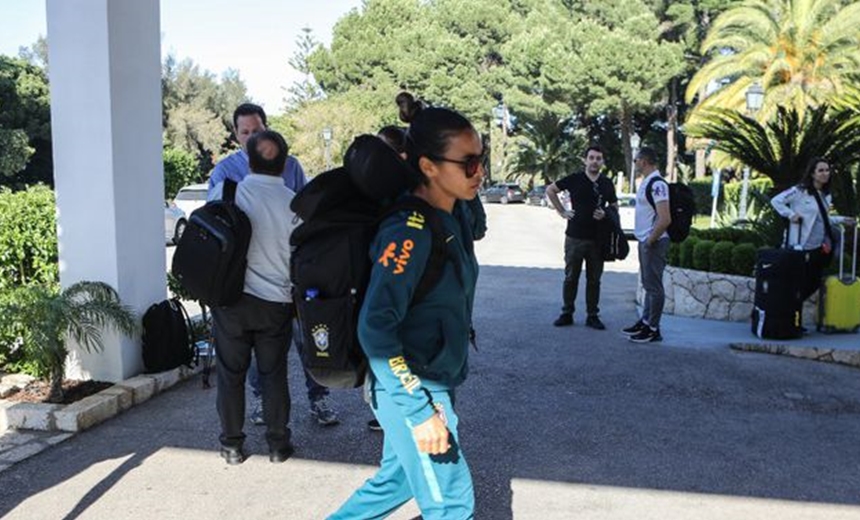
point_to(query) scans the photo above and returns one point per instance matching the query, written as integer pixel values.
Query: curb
(828, 355)
(94, 409)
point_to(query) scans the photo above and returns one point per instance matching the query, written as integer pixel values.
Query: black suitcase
(780, 275)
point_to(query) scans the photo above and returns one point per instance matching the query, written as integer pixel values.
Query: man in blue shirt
(249, 119)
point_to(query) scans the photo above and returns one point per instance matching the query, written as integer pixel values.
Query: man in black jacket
(590, 193)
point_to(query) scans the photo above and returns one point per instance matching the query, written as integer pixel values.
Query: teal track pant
(440, 484)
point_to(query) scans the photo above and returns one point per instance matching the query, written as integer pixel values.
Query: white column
(105, 79)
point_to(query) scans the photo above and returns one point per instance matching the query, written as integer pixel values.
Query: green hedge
(743, 259)
(674, 256)
(702, 255)
(180, 169)
(727, 234)
(685, 255)
(28, 237)
(721, 257)
(732, 191)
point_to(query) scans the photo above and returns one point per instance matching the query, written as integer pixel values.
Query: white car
(191, 197)
(174, 223)
(627, 213)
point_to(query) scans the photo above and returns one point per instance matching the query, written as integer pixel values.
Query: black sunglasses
(470, 165)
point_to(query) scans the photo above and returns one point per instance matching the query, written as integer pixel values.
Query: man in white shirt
(652, 219)
(262, 319)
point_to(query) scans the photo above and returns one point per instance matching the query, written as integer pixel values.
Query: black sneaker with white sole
(647, 335)
(638, 327)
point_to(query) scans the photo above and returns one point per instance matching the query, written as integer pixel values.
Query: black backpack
(211, 256)
(330, 266)
(166, 337)
(682, 207)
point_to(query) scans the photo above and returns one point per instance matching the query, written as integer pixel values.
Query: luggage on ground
(839, 299)
(211, 257)
(166, 337)
(330, 267)
(779, 279)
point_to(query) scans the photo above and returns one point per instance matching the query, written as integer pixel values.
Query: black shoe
(638, 327)
(564, 320)
(374, 426)
(595, 323)
(648, 335)
(280, 455)
(234, 455)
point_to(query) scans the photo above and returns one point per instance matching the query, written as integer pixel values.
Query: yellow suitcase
(839, 300)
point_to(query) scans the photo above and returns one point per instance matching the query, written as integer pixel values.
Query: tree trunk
(56, 392)
(672, 126)
(626, 131)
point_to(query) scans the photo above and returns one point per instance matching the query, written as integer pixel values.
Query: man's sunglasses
(470, 165)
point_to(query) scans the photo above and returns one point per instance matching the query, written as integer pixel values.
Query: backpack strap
(435, 266)
(229, 191)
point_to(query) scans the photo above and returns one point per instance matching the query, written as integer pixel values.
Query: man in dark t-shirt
(590, 192)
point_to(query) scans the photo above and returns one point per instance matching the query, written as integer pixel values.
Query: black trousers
(266, 328)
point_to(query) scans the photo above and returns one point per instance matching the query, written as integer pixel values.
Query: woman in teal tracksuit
(418, 353)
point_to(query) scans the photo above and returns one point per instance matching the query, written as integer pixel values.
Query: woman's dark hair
(430, 129)
(395, 136)
(258, 163)
(248, 109)
(806, 182)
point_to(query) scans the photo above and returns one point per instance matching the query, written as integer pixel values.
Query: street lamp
(326, 135)
(755, 99)
(501, 117)
(635, 140)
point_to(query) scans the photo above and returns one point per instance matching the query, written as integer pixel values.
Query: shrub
(702, 255)
(732, 190)
(743, 259)
(685, 255)
(674, 257)
(728, 234)
(180, 169)
(28, 237)
(721, 257)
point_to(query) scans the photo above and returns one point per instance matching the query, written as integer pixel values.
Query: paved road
(557, 424)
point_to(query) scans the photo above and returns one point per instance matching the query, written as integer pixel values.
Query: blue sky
(207, 31)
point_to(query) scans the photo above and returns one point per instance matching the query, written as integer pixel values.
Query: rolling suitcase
(839, 300)
(778, 305)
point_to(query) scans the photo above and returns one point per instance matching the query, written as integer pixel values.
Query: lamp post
(754, 98)
(635, 140)
(326, 135)
(501, 118)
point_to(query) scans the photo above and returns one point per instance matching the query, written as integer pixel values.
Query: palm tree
(548, 148)
(44, 317)
(782, 147)
(801, 51)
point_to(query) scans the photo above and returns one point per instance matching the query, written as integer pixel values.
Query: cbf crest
(320, 336)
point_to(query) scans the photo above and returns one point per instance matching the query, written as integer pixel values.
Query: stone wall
(714, 296)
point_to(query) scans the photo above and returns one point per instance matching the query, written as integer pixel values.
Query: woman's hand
(795, 218)
(431, 436)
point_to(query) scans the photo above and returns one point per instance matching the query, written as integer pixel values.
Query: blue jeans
(315, 390)
(440, 484)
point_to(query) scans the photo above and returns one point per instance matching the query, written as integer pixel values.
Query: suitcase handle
(788, 234)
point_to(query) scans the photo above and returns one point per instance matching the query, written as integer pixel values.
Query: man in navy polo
(249, 119)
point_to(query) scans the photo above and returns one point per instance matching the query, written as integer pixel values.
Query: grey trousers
(266, 328)
(652, 263)
(575, 251)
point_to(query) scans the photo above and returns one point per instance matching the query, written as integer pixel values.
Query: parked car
(175, 221)
(537, 197)
(627, 212)
(504, 193)
(191, 197)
